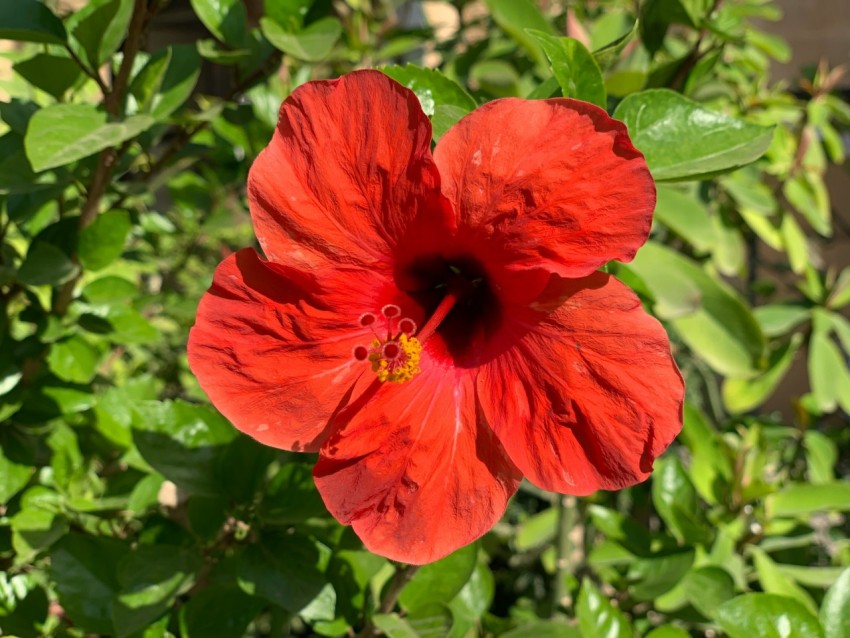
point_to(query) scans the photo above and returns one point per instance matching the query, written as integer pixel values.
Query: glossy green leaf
(574, 67)
(668, 631)
(835, 609)
(183, 442)
(15, 468)
(682, 139)
(45, 264)
(73, 359)
(54, 74)
(767, 616)
(150, 579)
(597, 617)
(392, 626)
(656, 575)
(64, 133)
(312, 44)
(439, 582)
(676, 501)
(167, 80)
(544, 629)
(686, 216)
(742, 395)
(609, 53)
(801, 499)
(516, 17)
(30, 21)
(706, 588)
(284, 570)
(99, 27)
(85, 571)
(102, 241)
(708, 314)
(431, 87)
(33, 530)
(225, 19)
(774, 581)
(223, 611)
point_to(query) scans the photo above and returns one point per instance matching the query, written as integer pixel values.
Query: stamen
(391, 311)
(407, 326)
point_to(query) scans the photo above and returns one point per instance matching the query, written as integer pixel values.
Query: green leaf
(431, 87)
(803, 499)
(441, 581)
(574, 67)
(656, 575)
(516, 17)
(821, 457)
(681, 139)
(84, 569)
(184, 443)
(312, 44)
(394, 627)
(100, 27)
(828, 374)
(774, 581)
(30, 21)
(808, 195)
(597, 617)
(73, 359)
(537, 530)
(497, 77)
(676, 501)
(742, 395)
(167, 80)
(708, 314)
(150, 579)
(686, 216)
(545, 629)
(34, 529)
(767, 616)
(102, 241)
(110, 290)
(225, 19)
(777, 319)
(54, 74)
(284, 570)
(64, 133)
(668, 631)
(606, 55)
(473, 601)
(223, 611)
(15, 467)
(706, 588)
(45, 264)
(835, 610)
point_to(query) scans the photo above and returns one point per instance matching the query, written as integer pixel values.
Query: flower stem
(401, 577)
(567, 519)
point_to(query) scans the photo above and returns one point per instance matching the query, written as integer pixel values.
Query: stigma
(394, 352)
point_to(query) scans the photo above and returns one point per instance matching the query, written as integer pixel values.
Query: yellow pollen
(400, 368)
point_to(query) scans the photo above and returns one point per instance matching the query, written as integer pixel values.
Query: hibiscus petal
(415, 471)
(589, 395)
(347, 175)
(273, 347)
(557, 181)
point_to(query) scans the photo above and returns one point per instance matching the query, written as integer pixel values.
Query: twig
(92, 73)
(401, 577)
(564, 548)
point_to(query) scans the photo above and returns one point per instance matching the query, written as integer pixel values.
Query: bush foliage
(130, 507)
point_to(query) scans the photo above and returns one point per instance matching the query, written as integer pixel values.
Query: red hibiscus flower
(434, 326)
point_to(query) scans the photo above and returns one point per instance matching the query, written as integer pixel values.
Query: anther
(391, 311)
(367, 319)
(407, 326)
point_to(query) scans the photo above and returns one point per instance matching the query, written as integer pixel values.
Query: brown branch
(92, 73)
(401, 577)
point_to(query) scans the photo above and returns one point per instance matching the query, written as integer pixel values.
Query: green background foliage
(129, 507)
